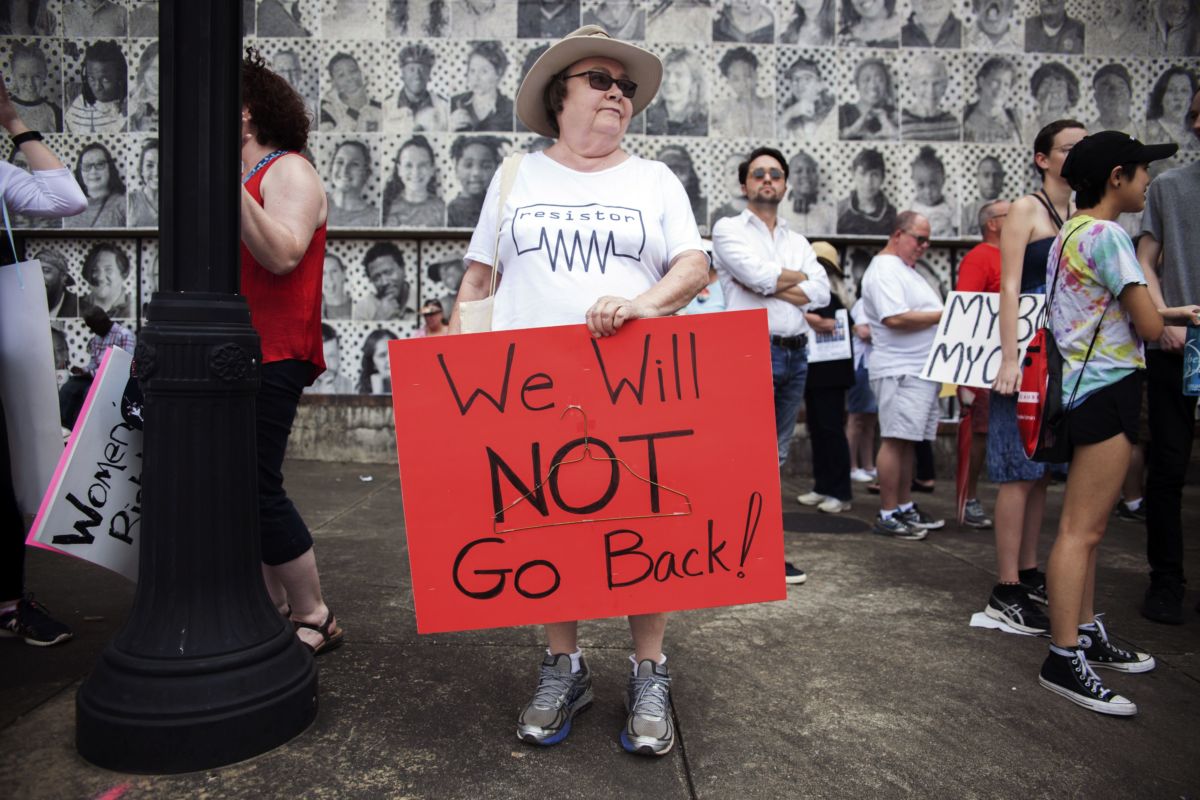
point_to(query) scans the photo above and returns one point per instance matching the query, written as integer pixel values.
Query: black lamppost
(205, 672)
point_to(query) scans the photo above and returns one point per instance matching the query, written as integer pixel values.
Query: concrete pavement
(866, 681)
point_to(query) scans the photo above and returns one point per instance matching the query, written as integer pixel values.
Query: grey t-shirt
(1170, 217)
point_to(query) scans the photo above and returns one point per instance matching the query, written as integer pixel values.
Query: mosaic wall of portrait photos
(878, 106)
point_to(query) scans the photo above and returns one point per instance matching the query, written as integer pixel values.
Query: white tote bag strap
(8, 173)
(508, 176)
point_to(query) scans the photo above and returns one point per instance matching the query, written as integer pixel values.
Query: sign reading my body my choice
(551, 476)
(966, 351)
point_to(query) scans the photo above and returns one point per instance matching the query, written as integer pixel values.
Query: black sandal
(331, 635)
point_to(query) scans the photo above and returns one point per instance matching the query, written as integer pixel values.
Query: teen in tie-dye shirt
(1098, 290)
(1100, 262)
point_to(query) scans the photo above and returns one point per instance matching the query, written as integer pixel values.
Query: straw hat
(591, 41)
(827, 252)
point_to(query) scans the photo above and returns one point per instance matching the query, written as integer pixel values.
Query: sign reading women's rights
(966, 351)
(551, 476)
(92, 509)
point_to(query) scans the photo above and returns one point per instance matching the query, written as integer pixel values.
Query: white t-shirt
(568, 238)
(891, 287)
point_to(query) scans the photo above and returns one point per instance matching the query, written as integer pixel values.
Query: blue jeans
(789, 369)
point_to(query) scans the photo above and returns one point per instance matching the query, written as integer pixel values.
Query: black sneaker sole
(1128, 709)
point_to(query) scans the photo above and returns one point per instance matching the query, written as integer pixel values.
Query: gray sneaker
(916, 518)
(973, 516)
(649, 730)
(560, 695)
(895, 527)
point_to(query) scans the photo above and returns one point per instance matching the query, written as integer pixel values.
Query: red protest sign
(550, 476)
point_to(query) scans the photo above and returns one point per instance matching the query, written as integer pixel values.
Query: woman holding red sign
(629, 220)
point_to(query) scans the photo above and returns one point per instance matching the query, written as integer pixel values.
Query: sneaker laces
(652, 695)
(1108, 645)
(1091, 681)
(553, 688)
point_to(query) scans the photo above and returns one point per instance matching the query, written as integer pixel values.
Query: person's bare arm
(820, 324)
(1018, 227)
(36, 153)
(1149, 251)
(687, 275)
(793, 294)
(476, 283)
(912, 320)
(278, 232)
(1137, 303)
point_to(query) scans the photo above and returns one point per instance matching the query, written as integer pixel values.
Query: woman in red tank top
(283, 213)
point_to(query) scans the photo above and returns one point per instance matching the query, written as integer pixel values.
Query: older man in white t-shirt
(903, 311)
(763, 264)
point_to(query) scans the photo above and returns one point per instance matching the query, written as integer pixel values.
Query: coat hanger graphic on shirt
(586, 455)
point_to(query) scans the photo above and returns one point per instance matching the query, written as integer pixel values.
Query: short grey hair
(987, 212)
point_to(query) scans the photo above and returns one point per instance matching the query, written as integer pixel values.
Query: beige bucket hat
(827, 252)
(641, 66)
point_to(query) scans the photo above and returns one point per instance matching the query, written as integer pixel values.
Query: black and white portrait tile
(143, 19)
(474, 158)
(928, 177)
(99, 165)
(1053, 92)
(686, 21)
(744, 21)
(442, 270)
(350, 165)
(806, 94)
(288, 19)
(933, 23)
(681, 106)
(685, 157)
(144, 98)
(870, 23)
(31, 18)
(987, 173)
(142, 169)
(1107, 91)
(33, 71)
(931, 94)
(351, 90)
(1055, 26)
(870, 176)
(64, 285)
(412, 174)
(95, 19)
(96, 85)
(417, 79)
(994, 26)
(993, 95)
(547, 19)
(417, 18)
(1166, 109)
(806, 23)
(743, 102)
(868, 98)
(810, 205)
(380, 281)
(299, 62)
(104, 272)
(483, 19)
(483, 82)
(623, 19)
(721, 170)
(352, 19)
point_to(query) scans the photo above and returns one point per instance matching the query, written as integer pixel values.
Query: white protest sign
(966, 351)
(832, 346)
(92, 509)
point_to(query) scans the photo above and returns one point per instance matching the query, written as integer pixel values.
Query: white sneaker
(811, 499)
(861, 475)
(834, 506)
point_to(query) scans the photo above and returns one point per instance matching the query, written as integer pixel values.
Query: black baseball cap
(1094, 157)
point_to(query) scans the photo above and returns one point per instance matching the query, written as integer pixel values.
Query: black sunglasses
(918, 239)
(602, 82)
(761, 173)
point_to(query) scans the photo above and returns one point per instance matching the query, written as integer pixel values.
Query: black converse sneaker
(1071, 677)
(1101, 652)
(1011, 605)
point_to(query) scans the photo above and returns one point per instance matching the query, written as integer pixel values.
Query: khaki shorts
(908, 407)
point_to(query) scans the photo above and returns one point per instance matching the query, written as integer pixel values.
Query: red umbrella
(966, 399)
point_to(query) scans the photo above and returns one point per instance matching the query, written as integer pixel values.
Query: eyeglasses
(920, 240)
(94, 166)
(761, 173)
(602, 82)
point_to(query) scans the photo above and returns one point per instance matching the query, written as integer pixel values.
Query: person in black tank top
(1025, 242)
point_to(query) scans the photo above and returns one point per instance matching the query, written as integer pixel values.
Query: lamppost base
(144, 715)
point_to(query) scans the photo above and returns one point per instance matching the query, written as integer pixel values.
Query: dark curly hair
(106, 52)
(276, 109)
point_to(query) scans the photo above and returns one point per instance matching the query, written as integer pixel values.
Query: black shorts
(1116, 408)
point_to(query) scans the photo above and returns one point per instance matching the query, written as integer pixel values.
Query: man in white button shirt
(764, 264)
(903, 311)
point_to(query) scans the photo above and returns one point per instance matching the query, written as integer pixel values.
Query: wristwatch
(27, 136)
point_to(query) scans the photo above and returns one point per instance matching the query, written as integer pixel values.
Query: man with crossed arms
(763, 264)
